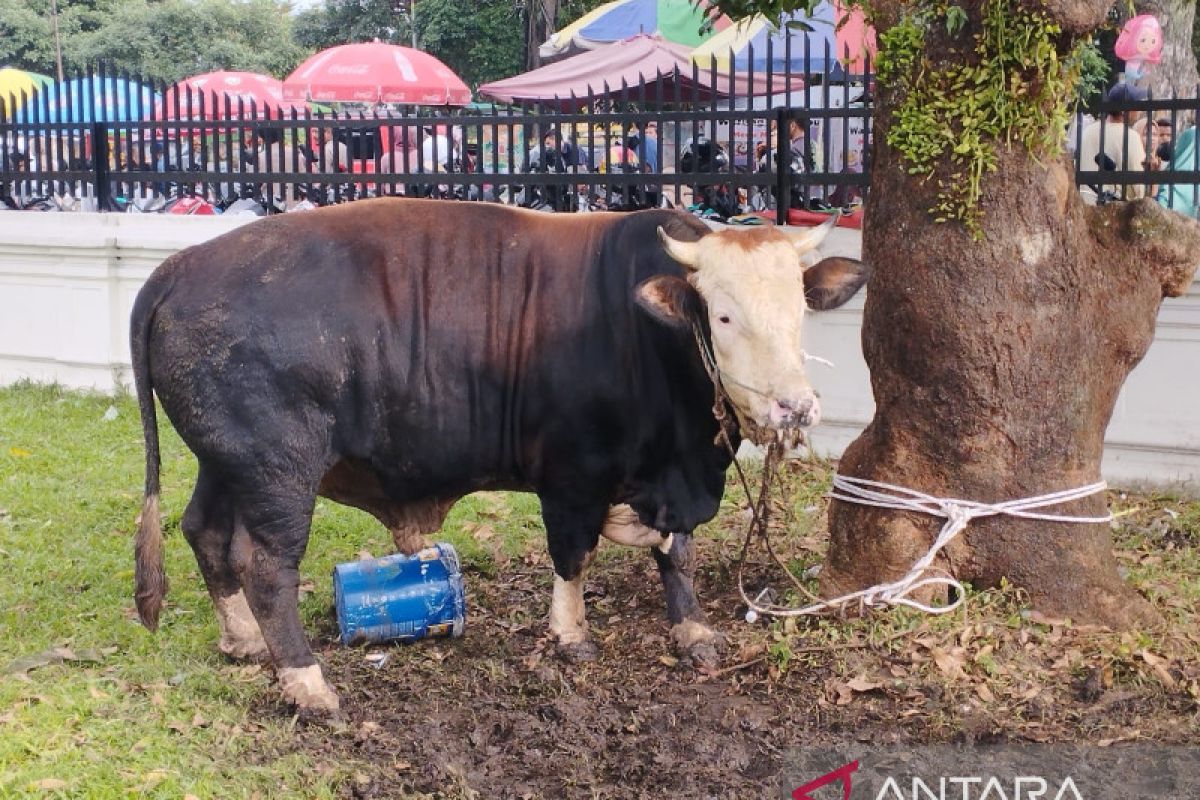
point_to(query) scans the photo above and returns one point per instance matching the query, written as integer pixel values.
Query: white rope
(807, 356)
(714, 370)
(957, 513)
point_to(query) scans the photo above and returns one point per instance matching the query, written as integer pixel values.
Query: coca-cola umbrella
(210, 95)
(376, 72)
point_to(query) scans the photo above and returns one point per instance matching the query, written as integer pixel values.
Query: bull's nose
(785, 413)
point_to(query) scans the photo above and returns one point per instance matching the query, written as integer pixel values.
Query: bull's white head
(753, 286)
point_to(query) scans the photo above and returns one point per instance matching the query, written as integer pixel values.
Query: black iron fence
(1137, 149)
(775, 145)
(721, 153)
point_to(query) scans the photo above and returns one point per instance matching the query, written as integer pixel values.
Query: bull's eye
(723, 319)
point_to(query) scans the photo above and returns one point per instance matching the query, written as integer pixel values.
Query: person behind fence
(1184, 198)
(620, 159)
(644, 142)
(223, 193)
(711, 195)
(1111, 144)
(801, 162)
(1159, 141)
(269, 152)
(438, 153)
(439, 150)
(552, 157)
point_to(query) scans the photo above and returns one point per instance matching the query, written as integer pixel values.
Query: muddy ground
(497, 714)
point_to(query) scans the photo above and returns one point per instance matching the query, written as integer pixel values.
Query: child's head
(1141, 40)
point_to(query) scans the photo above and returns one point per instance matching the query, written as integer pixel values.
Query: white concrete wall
(1152, 440)
(67, 284)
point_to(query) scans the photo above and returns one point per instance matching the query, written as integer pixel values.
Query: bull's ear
(670, 300)
(832, 281)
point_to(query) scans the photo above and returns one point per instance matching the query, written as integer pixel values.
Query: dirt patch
(498, 714)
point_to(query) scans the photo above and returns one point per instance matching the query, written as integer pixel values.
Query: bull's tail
(150, 578)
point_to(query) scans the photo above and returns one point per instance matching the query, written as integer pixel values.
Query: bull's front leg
(690, 633)
(676, 558)
(572, 533)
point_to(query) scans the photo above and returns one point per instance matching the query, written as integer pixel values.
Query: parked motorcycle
(711, 197)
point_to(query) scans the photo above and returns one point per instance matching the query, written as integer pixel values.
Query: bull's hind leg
(208, 526)
(270, 535)
(690, 633)
(572, 532)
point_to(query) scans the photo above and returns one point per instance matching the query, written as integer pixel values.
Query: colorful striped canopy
(803, 43)
(17, 85)
(679, 21)
(643, 67)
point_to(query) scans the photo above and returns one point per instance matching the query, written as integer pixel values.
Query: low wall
(67, 284)
(1153, 439)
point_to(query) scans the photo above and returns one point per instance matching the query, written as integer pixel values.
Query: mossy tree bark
(996, 359)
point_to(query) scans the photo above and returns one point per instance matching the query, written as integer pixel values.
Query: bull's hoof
(696, 642)
(305, 688)
(241, 638)
(703, 655)
(581, 652)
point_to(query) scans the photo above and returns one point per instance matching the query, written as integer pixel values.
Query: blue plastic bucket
(400, 597)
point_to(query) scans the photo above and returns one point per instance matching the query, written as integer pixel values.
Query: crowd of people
(1130, 140)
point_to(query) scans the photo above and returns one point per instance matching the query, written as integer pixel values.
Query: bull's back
(372, 322)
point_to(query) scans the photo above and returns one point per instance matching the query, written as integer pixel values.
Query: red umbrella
(376, 72)
(242, 90)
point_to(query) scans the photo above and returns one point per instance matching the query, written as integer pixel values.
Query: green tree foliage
(344, 21)
(176, 38)
(26, 37)
(168, 40)
(481, 40)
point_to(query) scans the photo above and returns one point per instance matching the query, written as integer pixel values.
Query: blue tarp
(89, 100)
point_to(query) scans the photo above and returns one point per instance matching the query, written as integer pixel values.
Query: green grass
(70, 486)
(164, 715)
(160, 714)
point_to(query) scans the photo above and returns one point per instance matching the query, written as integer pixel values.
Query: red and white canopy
(376, 72)
(211, 92)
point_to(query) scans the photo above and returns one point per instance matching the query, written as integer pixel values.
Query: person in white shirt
(1123, 148)
(439, 152)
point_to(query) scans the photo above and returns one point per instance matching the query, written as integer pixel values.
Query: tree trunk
(541, 17)
(1177, 72)
(995, 365)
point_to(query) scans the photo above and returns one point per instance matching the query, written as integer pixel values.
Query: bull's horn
(810, 238)
(686, 253)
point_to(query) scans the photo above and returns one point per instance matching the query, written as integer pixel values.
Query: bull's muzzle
(802, 412)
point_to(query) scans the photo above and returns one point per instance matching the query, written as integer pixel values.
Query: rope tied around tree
(958, 514)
